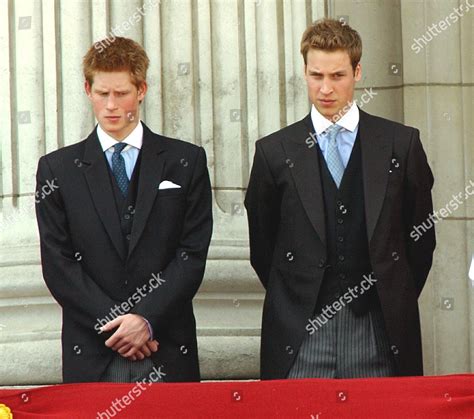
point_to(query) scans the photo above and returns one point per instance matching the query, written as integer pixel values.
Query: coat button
(127, 216)
(394, 349)
(342, 276)
(340, 239)
(341, 258)
(340, 221)
(322, 263)
(128, 237)
(290, 257)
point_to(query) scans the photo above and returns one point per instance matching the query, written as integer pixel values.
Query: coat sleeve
(72, 287)
(263, 212)
(184, 274)
(418, 207)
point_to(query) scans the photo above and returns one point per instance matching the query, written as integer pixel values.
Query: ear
(87, 88)
(142, 89)
(358, 72)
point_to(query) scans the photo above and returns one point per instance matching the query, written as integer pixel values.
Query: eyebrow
(100, 90)
(318, 73)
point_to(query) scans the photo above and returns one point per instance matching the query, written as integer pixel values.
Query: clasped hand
(131, 339)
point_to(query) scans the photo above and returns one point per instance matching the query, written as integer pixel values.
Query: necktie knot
(333, 130)
(333, 158)
(118, 148)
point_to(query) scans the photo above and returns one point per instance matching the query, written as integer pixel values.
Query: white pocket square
(166, 184)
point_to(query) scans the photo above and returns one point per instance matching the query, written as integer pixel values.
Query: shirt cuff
(150, 329)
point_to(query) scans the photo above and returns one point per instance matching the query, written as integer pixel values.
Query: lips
(112, 118)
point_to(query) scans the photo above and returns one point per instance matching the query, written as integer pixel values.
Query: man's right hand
(145, 351)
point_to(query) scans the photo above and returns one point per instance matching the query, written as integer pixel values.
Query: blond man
(331, 202)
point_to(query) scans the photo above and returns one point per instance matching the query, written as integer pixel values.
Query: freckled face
(116, 102)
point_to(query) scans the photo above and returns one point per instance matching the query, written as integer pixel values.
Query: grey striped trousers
(122, 370)
(346, 346)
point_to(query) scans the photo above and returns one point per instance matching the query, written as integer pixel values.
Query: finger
(119, 344)
(131, 354)
(144, 349)
(124, 349)
(114, 339)
(153, 345)
(112, 324)
(132, 351)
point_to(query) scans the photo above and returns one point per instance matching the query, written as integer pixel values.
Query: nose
(110, 104)
(326, 87)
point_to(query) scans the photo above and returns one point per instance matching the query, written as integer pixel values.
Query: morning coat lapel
(304, 165)
(376, 149)
(151, 170)
(97, 177)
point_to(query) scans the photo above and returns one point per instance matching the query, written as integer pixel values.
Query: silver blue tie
(333, 158)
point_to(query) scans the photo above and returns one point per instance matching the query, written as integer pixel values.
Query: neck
(120, 136)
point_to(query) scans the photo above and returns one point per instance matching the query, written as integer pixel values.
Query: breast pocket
(176, 192)
(395, 177)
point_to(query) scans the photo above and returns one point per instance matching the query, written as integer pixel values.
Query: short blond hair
(332, 35)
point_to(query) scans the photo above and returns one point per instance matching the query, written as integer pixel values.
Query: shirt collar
(135, 138)
(349, 121)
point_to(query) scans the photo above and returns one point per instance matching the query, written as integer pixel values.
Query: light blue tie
(333, 158)
(118, 168)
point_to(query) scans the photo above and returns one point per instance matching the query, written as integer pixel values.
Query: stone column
(417, 57)
(223, 74)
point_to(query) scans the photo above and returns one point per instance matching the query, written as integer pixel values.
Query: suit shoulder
(73, 150)
(282, 134)
(172, 144)
(388, 124)
(178, 145)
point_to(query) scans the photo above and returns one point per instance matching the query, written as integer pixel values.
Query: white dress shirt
(129, 153)
(346, 137)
